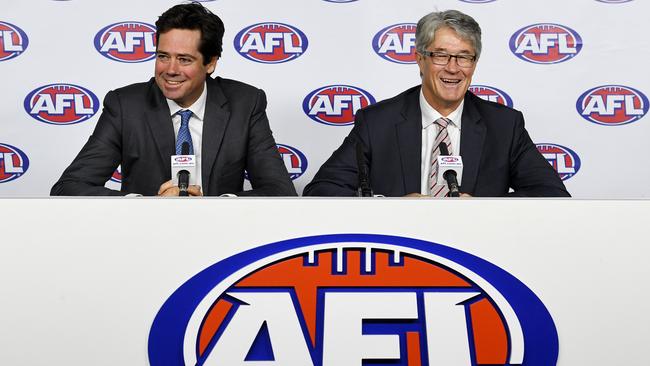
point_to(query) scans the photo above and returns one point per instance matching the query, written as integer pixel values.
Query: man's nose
(452, 65)
(172, 67)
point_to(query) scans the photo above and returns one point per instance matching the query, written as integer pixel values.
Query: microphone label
(183, 162)
(449, 162)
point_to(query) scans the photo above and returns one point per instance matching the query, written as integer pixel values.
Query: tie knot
(442, 122)
(185, 115)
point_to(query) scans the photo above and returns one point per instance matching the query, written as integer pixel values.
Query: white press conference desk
(82, 279)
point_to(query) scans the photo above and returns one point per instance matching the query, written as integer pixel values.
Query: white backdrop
(57, 47)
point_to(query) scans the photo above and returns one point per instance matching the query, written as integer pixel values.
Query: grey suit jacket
(497, 152)
(135, 130)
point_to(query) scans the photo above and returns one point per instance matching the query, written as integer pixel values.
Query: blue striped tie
(184, 132)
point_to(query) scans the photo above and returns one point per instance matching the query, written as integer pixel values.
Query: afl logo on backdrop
(545, 43)
(614, 1)
(350, 299)
(491, 94)
(477, 1)
(612, 105)
(117, 175)
(127, 42)
(336, 105)
(271, 43)
(13, 41)
(13, 163)
(61, 104)
(396, 43)
(564, 160)
(294, 160)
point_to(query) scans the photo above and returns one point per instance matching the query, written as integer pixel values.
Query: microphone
(364, 180)
(183, 167)
(451, 167)
(184, 174)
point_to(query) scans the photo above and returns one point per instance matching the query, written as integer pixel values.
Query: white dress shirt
(195, 125)
(429, 134)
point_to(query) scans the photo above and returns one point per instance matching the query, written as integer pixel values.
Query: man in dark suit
(400, 137)
(223, 122)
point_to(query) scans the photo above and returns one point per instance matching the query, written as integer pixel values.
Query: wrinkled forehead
(447, 38)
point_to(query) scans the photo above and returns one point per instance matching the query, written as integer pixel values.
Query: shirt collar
(430, 115)
(198, 108)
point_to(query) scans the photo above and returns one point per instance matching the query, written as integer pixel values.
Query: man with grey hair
(399, 139)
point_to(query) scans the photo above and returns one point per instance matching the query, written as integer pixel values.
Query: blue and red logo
(614, 1)
(117, 175)
(271, 43)
(450, 159)
(294, 160)
(127, 42)
(491, 94)
(13, 41)
(396, 43)
(545, 43)
(61, 104)
(13, 163)
(336, 105)
(352, 299)
(612, 105)
(564, 160)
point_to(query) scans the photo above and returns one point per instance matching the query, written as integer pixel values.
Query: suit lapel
(160, 123)
(215, 121)
(409, 141)
(472, 137)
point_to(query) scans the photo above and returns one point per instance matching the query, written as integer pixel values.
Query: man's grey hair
(464, 25)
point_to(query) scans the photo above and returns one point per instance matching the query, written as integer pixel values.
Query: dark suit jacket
(136, 130)
(497, 152)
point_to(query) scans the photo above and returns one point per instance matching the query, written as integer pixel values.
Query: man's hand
(168, 189)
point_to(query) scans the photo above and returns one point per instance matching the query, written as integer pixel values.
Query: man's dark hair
(194, 16)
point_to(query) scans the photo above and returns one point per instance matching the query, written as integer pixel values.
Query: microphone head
(185, 148)
(443, 148)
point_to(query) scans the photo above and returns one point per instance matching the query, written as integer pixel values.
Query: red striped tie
(438, 190)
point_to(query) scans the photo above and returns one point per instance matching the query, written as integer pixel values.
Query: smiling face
(444, 86)
(180, 72)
